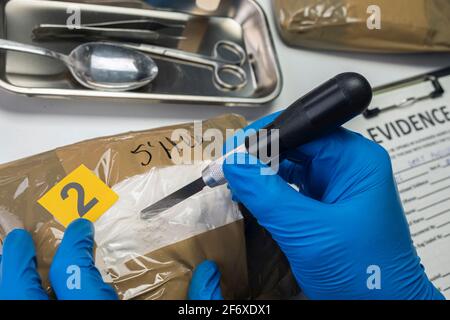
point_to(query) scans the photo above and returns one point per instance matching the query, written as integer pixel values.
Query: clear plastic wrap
(153, 258)
(123, 238)
(365, 25)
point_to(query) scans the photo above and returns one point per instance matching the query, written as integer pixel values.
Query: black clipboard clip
(437, 92)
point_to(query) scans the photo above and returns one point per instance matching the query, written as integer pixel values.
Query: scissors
(223, 67)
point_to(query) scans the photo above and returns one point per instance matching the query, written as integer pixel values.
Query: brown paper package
(406, 25)
(251, 263)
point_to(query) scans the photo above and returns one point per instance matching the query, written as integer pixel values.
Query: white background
(33, 125)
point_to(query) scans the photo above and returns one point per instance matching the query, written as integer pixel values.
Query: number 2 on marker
(82, 208)
(81, 194)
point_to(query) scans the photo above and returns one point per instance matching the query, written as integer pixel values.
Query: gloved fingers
(330, 167)
(73, 273)
(292, 172)
(315, 165)
(326, 146)
(78, 243)
(339, 139)
(266, 194)
(298, 174)
(205, 283)
(340, 146)
(19, 278)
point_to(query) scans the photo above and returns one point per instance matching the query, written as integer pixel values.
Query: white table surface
(32, 125)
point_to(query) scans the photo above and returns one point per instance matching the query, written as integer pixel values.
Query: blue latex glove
(19, 279)
(73, 274)
(346, 223)
(205, 283)
(345, 234)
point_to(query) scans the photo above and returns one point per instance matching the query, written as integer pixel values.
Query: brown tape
(406, 25)
(167, 272)
(114, 159)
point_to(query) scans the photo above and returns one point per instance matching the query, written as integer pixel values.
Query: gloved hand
(344, 233)
(205, 283)
(19, 279)
(72, 274)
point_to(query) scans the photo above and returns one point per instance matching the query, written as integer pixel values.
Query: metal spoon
(100, 66)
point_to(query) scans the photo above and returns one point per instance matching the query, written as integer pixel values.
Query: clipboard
(411, 120)
(432, 77)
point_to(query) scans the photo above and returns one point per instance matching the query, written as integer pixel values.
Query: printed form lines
(438, 214)
(434, 192)
(414, 177)
(433, 204)
(422, 164)
(440, 180)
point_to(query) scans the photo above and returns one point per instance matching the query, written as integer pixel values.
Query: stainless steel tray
(241, 21)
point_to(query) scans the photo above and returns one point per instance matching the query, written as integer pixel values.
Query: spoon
(100, 66)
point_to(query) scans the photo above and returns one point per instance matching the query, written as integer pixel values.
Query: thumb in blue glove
(19, 279)
(345, 221)
(205, 283)
(73, 274)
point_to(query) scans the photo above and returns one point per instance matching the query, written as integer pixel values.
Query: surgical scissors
(220, 65)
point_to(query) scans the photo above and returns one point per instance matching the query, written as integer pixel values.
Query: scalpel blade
(174, 198)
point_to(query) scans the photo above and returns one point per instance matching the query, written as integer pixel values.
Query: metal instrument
(242, 22)
(99, 66)
(142, 30)
(148, 24)
(322, 110)
(228, 73)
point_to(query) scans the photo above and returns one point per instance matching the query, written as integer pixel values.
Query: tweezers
(128, 30)
(147, 24)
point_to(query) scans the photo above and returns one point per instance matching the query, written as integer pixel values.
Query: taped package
(365, 25)
(150, 258)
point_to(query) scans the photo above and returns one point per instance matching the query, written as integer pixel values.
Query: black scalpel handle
(319, 112)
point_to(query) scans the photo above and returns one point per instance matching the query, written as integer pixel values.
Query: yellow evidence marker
(81, 194)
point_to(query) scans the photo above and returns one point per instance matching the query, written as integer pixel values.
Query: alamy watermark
(74, 19)
(74, 277)
(374, 280)
(212, 144)
(374, 20)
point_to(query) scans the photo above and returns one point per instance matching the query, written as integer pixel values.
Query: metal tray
(241, 21)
